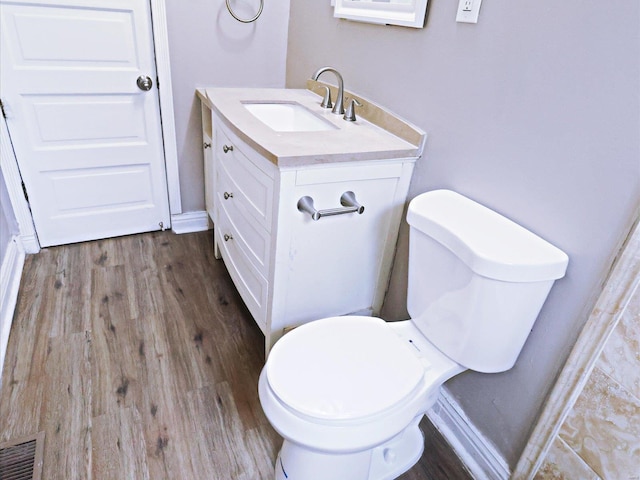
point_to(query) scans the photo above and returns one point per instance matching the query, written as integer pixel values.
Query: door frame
(9, 162)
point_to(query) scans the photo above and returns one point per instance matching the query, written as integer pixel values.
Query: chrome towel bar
(347, 200)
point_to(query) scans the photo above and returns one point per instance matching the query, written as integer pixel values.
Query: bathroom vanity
(306, 206)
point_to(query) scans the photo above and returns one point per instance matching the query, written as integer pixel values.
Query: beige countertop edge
(293, 149)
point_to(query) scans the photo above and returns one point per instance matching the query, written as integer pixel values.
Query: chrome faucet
(338, 107)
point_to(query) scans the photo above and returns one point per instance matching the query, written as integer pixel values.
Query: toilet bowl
(347, 393)
(331, 387)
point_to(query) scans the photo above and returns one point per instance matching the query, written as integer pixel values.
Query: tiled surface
(621, 356)
(604, 428)
(562, 463)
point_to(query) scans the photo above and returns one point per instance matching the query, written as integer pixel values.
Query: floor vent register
(21, 459)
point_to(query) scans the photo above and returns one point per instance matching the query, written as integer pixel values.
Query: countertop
(365, 139)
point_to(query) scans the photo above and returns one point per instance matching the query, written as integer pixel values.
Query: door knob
(144, 83)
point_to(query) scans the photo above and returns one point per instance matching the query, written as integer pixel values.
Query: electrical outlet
(468, 11)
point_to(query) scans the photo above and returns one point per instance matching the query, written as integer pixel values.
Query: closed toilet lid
(343, 368)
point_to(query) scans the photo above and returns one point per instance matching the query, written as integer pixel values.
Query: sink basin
(288, 117)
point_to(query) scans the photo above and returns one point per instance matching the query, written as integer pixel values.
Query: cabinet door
(336, 263)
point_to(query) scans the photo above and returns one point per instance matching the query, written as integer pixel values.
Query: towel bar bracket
(347, 200)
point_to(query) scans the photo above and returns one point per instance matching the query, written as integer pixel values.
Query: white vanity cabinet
(288, 268)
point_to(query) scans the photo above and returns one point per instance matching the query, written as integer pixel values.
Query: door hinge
(24, 190)
(4, 114)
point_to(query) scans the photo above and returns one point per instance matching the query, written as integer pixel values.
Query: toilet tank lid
(491, 245)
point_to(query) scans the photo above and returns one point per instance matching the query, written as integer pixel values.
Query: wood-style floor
(138, 360)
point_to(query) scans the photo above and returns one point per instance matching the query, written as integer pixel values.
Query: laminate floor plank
(25, 359)
(66, 412)
(138, 359)
(220, 444)
(116, 368)
(143, 285)
(184, 343)
(71, 295)
(118, 446)
(263, 444)
(20, 409)
(161, 409)
(30, 331)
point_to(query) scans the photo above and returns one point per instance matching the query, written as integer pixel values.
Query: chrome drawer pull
(227, 195)
(347, 200)
(227, 237)
(227, 148)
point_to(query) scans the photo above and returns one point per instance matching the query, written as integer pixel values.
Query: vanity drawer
(251, 285)
(251, 186)
(253, 238)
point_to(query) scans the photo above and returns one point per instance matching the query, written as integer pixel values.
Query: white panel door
(87, 138)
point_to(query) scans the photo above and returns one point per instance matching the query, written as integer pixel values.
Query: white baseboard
(474, 450)
(10, 274)
(190, 222)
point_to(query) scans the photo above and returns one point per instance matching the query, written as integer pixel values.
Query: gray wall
(534, 112)
(209, 48)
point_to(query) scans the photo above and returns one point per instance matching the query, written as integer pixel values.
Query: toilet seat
(326, 371)
(338, 338)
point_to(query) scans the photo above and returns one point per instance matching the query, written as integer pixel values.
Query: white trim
(10, 274)
(30, 243)
(163, 70)
(13, 181)
(478, 454)
(190, 222)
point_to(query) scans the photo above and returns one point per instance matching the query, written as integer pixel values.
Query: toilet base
(384, 462)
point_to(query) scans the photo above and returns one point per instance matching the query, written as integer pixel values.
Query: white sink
(288, 117)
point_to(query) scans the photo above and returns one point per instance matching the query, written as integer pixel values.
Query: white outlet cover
(470, 16)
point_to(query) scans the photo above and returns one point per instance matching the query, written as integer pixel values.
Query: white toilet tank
(477, 280)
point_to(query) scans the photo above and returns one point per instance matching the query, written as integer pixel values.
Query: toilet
(347, 393)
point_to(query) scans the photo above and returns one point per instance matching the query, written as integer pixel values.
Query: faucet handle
(326, 101)
(350, 115)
